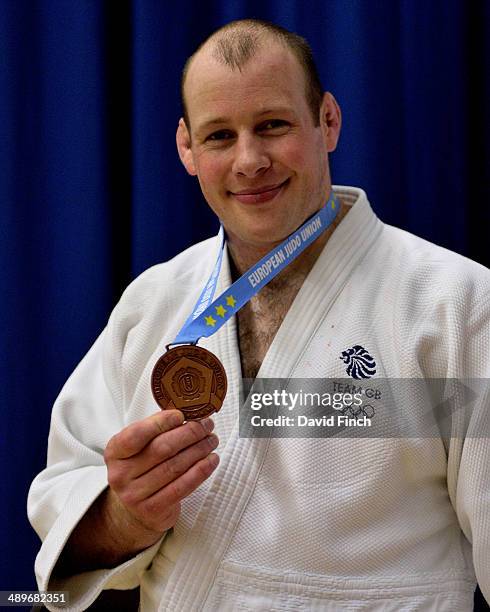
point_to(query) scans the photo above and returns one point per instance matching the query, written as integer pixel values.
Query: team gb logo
(359, 362)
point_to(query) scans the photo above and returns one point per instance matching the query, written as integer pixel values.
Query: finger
(169, 444)
(182, 487)
(133, 438)
(168, 471)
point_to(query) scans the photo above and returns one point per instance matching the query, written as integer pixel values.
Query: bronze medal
(192, 378)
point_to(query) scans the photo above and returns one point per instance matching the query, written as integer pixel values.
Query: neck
(243, 256)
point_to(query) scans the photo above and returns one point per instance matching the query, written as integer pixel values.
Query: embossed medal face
(192, 378)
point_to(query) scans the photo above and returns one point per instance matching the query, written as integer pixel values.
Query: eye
(278, 126)
(219, 135)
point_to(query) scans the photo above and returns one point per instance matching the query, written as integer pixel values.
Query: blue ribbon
(207, 316)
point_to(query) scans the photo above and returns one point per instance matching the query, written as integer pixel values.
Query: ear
(330, 121)
(183, 140)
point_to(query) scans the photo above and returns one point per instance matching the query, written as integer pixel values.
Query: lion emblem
(359, 362)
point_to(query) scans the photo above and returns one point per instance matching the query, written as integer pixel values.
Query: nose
(251, 157)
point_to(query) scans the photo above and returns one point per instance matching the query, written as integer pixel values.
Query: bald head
(234, 44)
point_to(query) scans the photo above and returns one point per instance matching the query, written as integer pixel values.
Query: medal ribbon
(208, 316)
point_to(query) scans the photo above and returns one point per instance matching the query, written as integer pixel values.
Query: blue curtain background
(92, 191)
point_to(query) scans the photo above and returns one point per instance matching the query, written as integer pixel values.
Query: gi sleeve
(85, 416)
(469, 456)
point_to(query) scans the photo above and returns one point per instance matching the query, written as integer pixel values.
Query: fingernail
(208, 425)
(176, 419)
(213, 459)
(213, 440)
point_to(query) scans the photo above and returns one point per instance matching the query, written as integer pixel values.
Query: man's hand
(153, 465)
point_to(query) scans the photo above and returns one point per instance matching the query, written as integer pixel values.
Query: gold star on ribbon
(333, 203)
(210, 321)
(230, 301)
(220, 310)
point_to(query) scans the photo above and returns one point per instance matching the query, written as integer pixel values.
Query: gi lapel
(351, 239)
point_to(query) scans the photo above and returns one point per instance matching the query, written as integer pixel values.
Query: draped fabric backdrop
(92, 190)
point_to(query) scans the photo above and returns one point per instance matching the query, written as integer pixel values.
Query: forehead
(273, 77)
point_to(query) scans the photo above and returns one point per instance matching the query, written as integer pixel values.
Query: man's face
(261, 162)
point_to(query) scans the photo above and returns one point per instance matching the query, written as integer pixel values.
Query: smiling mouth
(257, 196)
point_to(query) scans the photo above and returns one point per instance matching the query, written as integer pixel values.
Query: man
(133, 497)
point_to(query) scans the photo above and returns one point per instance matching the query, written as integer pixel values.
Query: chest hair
(259, 321)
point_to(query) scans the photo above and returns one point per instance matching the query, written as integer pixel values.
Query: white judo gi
(372, 524)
